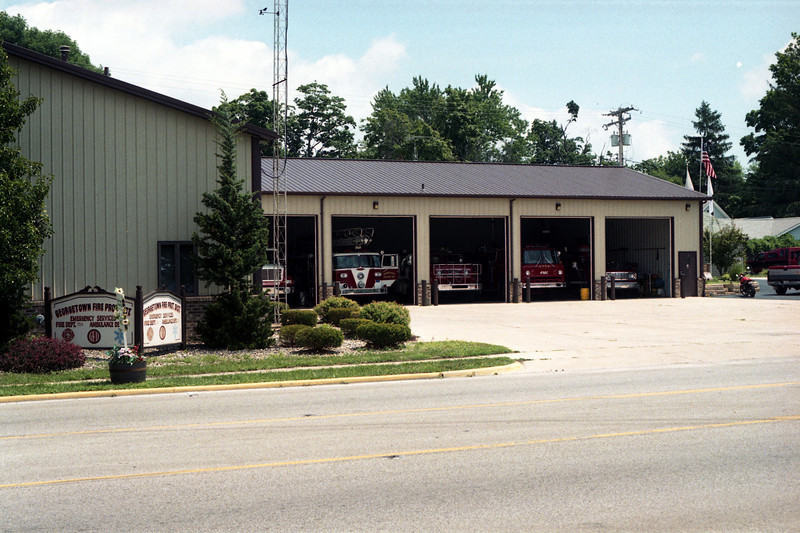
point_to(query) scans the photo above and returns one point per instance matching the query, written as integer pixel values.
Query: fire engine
(275, 281)
(359, 272)
(451, 273)
(542, 267)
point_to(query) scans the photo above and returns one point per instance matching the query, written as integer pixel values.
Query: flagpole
(700, 173)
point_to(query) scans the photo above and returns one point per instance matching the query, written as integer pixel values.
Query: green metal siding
(128, 172)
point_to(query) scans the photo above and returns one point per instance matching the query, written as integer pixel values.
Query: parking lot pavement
(594, 335)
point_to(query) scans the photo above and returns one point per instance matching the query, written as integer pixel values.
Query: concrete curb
(265, 385)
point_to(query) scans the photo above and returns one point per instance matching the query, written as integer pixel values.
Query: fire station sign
(86, 319)
(162, 315)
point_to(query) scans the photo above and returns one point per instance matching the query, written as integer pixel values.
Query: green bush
(323, 337)
(386, 313)
(299, 316)
(383, 335)
(288, 333)
(350, 325)
(334, 302)
(237, 321)
(336, 314)
(41, 355)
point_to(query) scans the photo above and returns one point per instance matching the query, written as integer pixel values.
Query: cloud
(755, 81)
(356, 80)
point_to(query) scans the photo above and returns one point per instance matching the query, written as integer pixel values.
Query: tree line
(429, 123)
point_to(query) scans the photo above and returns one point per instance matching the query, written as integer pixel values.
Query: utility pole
(622, 117)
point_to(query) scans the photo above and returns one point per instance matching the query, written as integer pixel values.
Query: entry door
(687, 267)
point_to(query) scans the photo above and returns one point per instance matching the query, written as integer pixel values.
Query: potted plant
(125, 364)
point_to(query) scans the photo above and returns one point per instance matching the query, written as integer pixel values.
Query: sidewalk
(593, 335)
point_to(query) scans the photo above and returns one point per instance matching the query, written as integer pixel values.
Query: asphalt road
(767, 292)
(708, 446)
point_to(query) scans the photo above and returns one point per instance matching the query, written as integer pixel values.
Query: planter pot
(128, 372)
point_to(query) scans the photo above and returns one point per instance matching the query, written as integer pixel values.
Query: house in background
(760, 227)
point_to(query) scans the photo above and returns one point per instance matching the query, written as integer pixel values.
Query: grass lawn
(181, 369)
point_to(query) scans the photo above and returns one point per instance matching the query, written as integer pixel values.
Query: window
(175, 267)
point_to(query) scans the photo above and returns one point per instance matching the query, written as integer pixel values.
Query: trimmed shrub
(334, 302)
(386, 313)
(336, 314)
(299, 316)
(383, 335)
(41, 355)
(323, 337)
(288, 333)
(350, 325)
(237, 321)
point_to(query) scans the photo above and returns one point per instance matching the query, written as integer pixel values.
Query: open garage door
(300, 275)
(373, 257)
(638, 256)
(468, 258)
(556, 256)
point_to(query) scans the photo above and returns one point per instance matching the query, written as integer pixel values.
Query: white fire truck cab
(362, 273)
(274, 280)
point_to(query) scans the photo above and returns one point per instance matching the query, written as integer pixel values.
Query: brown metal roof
(135, 90)
(422, 178)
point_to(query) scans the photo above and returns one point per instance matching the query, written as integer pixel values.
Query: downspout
(510, 268)
(702, 266)
(321, 259)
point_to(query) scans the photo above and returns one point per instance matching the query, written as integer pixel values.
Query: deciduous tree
(773, 188)
(320, 127)
(15, 30)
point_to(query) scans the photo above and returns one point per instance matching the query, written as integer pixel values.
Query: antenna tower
(280, 106)
(622, 118)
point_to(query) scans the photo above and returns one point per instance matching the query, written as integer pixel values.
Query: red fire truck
(274, 280)
(542, 267)
(358, 272)
(451, 273)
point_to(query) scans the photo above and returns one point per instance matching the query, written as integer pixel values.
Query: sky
(662, 57)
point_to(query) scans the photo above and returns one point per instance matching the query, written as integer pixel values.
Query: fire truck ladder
(353, 237)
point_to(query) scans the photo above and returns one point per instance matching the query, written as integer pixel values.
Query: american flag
(707, 165)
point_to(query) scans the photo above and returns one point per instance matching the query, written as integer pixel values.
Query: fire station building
(130, 167)
(598, 219)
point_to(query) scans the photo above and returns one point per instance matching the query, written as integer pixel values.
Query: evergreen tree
(24, 224)
(729, 181)
(235, 232)
(234, 244)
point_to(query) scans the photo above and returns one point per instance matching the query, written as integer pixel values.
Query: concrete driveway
(593, 335)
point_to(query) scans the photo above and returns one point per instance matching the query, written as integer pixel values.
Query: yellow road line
(403, 411)
(453, 449)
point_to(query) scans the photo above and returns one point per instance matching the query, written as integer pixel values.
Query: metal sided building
(130, 167)
(611, 215)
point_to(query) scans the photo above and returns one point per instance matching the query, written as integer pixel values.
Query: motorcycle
(746, 287)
